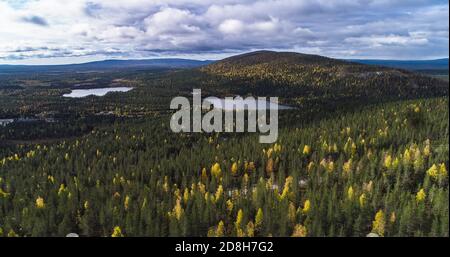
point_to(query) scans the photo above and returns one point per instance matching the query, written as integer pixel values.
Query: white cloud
(382, 40)
(139, 28)
(266, 26)
(171, 21)
(231, 26)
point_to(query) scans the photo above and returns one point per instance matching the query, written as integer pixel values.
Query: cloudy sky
(68, 31)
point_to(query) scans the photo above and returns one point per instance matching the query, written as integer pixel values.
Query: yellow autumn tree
(259, 219)
(230, 206)
(216, 171)
(177, 210)
(387, 162)
(395, 163)
(62, 189)
(126, 203)
(12, 233)
(443, 170)
(3, 194)
(433, 171)
(287, 187)
(406, 157)
(418, 161)
(421, 195)
(219, 193)
(40, 204)
(186, 195)
(306, 206)
(234, 169)
(117, 232)
(362, 200)
(330, 166)
(306, 150)
(51, 179)
(269, 152)
(239, 218)
(436, 172)
(350, 193)
(220, 231)
(204, 175)
(379, 223)
(347, 167)
(427, 149)
(249, 166)
(299, 231)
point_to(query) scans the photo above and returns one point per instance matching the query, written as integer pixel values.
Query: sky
(75, 31)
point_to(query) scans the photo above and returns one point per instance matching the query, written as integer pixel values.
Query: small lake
(245, 104)
(79, 93)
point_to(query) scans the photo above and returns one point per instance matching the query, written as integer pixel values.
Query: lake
(79, 93)
(251, 105)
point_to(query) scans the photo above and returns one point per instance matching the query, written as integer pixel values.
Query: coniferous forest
(364, 152)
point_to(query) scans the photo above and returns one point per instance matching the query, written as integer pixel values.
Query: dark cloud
(36, 20)
(26, 49)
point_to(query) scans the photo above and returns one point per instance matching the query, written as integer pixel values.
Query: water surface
(79, 93)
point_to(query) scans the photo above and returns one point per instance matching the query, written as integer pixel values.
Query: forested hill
(258, 57)
(314, 76)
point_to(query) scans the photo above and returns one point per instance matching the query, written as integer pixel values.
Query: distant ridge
(107, 65)
(437, 64)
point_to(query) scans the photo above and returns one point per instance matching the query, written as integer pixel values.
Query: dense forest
(364, 151)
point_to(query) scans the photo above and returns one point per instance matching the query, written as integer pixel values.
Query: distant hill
(106, 65)
(285, 67)
(438, 64)
(259, 57)
(313, 76)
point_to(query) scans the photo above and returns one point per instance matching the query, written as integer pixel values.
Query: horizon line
(202, 59)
